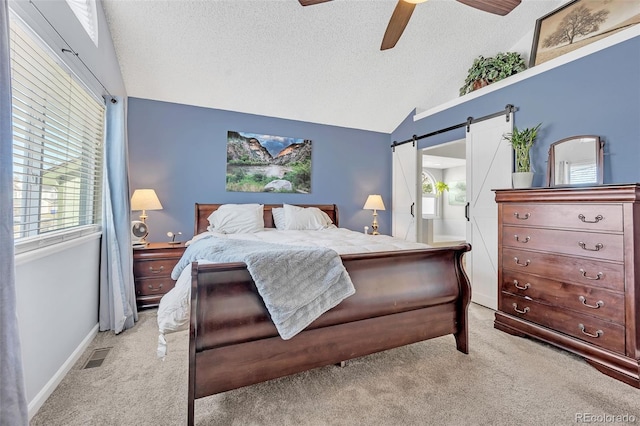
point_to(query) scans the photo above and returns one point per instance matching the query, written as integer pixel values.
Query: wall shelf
(596, 46)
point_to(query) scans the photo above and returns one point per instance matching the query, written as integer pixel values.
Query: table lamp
(374, 202)
(143, 200)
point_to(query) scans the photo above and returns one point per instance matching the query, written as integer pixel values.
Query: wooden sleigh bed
(402, 297)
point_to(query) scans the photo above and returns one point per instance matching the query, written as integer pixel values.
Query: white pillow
(279, 217)
(305, 218)
(237, 218)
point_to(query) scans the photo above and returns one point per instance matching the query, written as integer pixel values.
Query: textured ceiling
(318, 63)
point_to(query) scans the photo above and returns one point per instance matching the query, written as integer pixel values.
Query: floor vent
(97, 358)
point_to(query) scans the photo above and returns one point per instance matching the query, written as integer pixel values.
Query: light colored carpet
(505, 380)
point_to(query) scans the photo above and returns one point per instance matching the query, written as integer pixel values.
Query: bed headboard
(204, 210)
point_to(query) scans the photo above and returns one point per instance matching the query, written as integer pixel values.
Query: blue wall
(598, 94)
(180, 151)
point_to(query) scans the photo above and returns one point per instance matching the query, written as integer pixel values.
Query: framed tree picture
(579, 23)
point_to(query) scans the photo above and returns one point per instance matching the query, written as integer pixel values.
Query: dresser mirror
(576, 161)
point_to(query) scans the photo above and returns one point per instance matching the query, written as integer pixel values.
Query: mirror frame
(599, 155)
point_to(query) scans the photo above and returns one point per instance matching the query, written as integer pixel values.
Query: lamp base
(374, 225)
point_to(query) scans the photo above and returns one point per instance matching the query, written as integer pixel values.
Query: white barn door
(489, 166)
(404, 187)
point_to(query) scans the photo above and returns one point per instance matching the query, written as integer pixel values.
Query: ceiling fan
(404, 9)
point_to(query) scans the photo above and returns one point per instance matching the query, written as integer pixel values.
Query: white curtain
(117, 292)
(13, 404)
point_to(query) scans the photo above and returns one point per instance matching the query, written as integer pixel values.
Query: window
(57, 148)
(87, 14)
(582, 173)
(429, 196)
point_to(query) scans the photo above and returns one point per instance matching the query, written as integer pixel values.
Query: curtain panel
(117, 292)
(13, 404)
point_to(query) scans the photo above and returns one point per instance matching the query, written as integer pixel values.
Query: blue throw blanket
(296, 283)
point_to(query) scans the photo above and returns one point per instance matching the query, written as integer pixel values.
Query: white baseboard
(47, 390)
(484, 300)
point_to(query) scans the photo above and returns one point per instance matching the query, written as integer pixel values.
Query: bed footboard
(401, 298)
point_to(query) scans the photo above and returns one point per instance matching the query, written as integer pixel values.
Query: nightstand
(152, 266)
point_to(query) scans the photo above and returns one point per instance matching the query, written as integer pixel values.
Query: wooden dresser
(152, 266)
(567, 272)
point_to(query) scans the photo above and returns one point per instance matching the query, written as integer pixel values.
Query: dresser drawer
(154, 286)
(575, 270)
(575, 243)
(604, 304)
(589, 329)
(153, 267)
(583, 216)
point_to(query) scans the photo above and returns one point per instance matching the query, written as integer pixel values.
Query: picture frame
(579, 23)
(258, 162)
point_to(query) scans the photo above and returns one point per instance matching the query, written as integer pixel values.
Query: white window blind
(85, 11)
(583, 173)
(57, 148)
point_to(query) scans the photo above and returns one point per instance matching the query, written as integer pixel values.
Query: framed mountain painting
(266, 163)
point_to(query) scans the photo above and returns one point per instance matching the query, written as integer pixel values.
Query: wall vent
(97, 358)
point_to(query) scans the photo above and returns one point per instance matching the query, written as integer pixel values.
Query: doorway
(443, 221)
(466, 210)
(488, 166)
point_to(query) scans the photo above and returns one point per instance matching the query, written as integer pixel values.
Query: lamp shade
(145, 199)
(374, 202)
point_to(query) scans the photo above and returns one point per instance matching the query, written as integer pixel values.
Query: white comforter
(173, 312)
(342, 240)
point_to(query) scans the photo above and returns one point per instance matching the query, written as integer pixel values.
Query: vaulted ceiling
(319, 63)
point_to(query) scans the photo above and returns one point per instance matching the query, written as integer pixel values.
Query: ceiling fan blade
(498, 7)
(397, 24)
(310, 2)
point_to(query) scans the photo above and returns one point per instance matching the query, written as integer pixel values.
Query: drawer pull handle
(597, 218)
(519, 287)
(521, 264)
(525, 217)
(597, 246)
(524, 311)
(156, 271)
(599, 333)
(156, 288)
(599, 303)
(597, 277)
(526, 240)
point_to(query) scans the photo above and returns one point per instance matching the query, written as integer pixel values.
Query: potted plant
(485, 71)
(441, 187)
(521, 141)
(428, 187)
